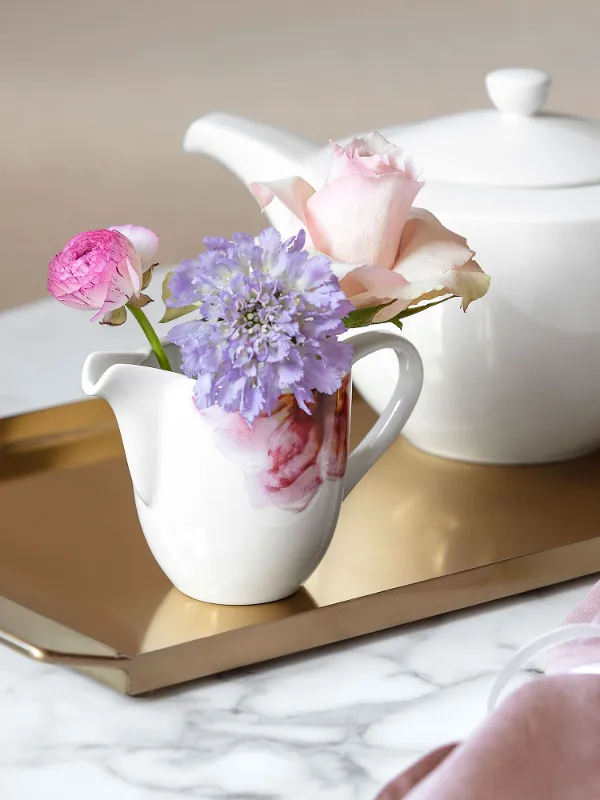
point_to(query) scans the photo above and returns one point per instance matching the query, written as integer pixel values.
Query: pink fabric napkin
(568, 657)
(542, 743)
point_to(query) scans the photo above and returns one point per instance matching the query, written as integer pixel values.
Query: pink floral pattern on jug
(288, 455)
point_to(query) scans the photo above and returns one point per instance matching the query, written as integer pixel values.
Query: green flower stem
(157, 348)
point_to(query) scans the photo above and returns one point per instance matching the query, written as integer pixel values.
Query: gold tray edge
(376, 612)
(151, 671)
(17, 616)
(49, 656)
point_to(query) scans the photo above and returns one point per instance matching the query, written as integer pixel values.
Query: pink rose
(362, 218)
(102, 270)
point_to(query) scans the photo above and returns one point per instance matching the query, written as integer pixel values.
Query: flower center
(262, 322)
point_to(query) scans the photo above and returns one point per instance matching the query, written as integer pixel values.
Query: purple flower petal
(296, 242)
(216, 243)
(268, 320)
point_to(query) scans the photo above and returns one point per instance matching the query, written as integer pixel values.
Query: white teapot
(516, 379)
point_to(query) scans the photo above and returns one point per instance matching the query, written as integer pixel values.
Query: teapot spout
(252, 151)
(134, 393)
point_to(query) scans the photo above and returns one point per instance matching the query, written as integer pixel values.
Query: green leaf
(147, 276)
(410, 312)
(173, 313)
(140, 301)
(166, 292)
(114, 318)
(361, 317)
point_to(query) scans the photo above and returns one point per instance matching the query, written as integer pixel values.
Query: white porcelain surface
(335, 724)
(518, 91)
(516, 379)
(215, 531)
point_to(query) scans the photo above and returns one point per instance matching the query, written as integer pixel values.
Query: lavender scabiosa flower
(269, 315)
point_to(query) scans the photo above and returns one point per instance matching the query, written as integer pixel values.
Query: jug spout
(134, 393)
(252, 151)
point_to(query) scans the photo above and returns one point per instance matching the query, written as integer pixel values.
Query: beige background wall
(96, 96)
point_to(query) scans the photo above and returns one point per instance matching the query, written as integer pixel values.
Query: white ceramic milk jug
(234, 514)
(516, 379)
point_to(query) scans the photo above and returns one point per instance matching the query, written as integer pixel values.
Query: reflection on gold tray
(419, 536)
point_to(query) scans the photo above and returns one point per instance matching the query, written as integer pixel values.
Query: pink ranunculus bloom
(102, 270)
(382, 249)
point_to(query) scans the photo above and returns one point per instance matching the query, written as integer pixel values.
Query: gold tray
(418, 537)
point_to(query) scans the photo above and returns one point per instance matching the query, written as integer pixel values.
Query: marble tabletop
(334, 724)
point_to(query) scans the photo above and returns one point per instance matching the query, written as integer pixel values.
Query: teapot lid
(516, 144)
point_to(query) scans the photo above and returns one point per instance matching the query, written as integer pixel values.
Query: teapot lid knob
(518, 91)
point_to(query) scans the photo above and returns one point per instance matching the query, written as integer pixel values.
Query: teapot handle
(398, 410)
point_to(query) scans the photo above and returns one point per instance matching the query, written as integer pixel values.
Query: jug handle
(398, 410)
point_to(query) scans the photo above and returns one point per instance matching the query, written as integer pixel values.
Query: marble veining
(334, 724)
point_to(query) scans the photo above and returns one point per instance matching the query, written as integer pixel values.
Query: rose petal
(435, 262)
(143, 239)
(346, 161)
(398, 158)
(293, 192)
(469, 282)
(371, 286)
(360, 219)
(428, 249)
(372, 155)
